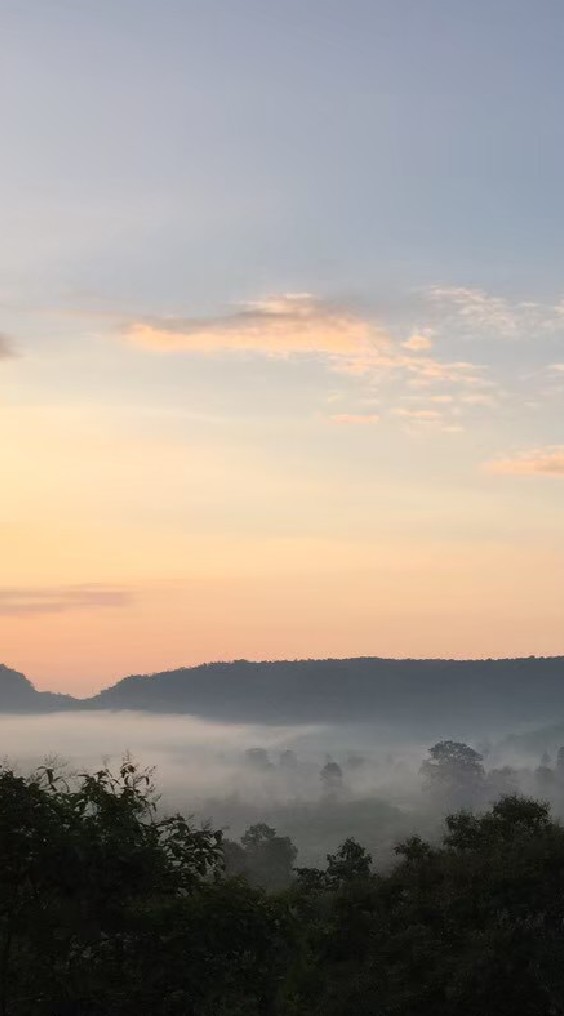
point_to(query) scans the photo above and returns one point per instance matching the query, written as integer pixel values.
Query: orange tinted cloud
(418, 342)
(279, 326)
(22, 602)
(419, 414)
(354, 418)
(547, 461)
(297, 324)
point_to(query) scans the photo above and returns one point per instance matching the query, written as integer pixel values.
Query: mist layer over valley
(315, 783)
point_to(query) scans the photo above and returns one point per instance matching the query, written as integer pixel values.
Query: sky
(281, 332)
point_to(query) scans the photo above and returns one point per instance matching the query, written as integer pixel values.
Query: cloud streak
(477, 313)
(294, 324)
(25, 602)
(278, 326)
(547, 461)
(354, 419)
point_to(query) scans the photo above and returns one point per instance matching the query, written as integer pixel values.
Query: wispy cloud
(418, 342)
(476, 312)
(481, 398)
(22, 602)
(420, 420)
(411, 370)
(475, 307)
(278, 326)
(547, 461)
(355, 419)
(297, 324)
(419, 414)
(345, 342)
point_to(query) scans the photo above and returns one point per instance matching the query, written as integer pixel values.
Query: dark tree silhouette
(454, 773)
(350, 863)
(265, 859)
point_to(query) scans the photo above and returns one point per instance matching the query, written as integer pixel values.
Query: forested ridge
(422, 697)
(109, 908)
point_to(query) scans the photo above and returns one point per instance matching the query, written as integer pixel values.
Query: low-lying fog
(235, 775)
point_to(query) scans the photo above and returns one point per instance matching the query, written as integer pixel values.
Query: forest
(110, 908)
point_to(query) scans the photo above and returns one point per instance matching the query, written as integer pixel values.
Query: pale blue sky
(187, 153)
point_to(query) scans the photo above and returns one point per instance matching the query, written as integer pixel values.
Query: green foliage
(351, 863)
(472, 926)
(88, 875)
(222, 951)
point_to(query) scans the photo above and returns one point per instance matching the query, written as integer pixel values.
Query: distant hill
(451, 695)
(448, 697)
(18, 695)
